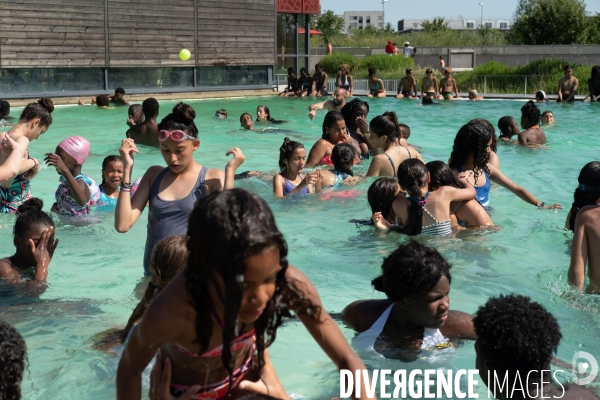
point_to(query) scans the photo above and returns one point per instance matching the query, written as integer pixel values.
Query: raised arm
(312, 109)
(579, 254)
(325, 332)
(232, 166)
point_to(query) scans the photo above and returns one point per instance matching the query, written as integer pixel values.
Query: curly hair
(587, 192)
(349, 109)
(181, 118)
(13, 353)
(531, 112)
(41, 109)
(342, 157)
(150, 107)
(516, 333)
(4, 109)
(412, 175)
(286, 151)
(386, 125)
(381, 195)
(225, 228)
(471, 139)
(102, 100)
(490, 129)
(411, 270)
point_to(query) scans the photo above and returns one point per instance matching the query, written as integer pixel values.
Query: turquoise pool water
(95, 269)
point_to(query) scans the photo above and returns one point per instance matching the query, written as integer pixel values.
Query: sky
(396, 10)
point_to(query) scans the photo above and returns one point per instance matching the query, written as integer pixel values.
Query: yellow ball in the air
(184, 54)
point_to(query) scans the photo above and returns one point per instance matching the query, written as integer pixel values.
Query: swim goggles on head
(178, 136)
(588, 188)
(218, 115)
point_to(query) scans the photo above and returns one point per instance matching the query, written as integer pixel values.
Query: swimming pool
(95, 269)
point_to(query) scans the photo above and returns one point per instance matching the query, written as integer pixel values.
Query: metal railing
(484, 84)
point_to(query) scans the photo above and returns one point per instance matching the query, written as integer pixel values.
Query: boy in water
(567, 86)
(594, 85)
(429, 87)
(118, 97)
(136, 116)
(530, 121)
(407, 87)
(448, 85)
(474, 96)
(585, 248)
(336, 104)
(319, 82)
(516, 339)
(146, 132)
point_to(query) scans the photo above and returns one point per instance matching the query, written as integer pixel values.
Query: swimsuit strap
(216, 317)
(432, 217)
(409, 156)
(391, 162)
(457, 207)
(421, 202)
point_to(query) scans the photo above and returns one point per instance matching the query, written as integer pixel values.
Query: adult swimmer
(355, 114)
(423, 212)
(384, 133)
(337, 102)
(35, 120)
(216, 318)
(467, 212)
(167, 190)
(416, 315)
(471, 152)
(145, 133)
(334, 132)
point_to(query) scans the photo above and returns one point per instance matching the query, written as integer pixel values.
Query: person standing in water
(567, 86)
(170, 192)
(145, 133)
(289, 180)
(335, 104)
(35, 120)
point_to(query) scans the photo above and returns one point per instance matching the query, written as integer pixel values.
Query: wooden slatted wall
(236, 32)
(55, 33)
(128, 33)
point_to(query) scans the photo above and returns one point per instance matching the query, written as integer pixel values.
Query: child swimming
(586, 193)
(416, 314)
(112, 176)
(216, 318)
(342, 156)
(384, 133)
(289, 180)
(334, 132)
(10, 167)
(263, 114)
(410, 218)
(508, 127)
(76, 192)
(381, 196)
(34, 244)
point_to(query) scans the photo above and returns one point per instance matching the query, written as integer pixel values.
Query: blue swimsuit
(289, 187)
(483, 192)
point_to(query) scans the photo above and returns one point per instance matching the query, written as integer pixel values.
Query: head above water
(409, 275)
(4, 108)
(342, 157)
(263, 114)
(246, 121)
(333, 125)
(547, 118)
(181, 118)
(381, 195)
(587, 192)
(112, 166)
(286, 152)
(487, 125)
(119, 92)
(354, 109)
(221, 113)
(514, 325)
(339, 97)
(77, 147)
(136, 114)
(150, 108)
(385, 125)
(102, 100)
(404, 131)
(440, 175)
(508, 125)
(472, 140)
(530, 115)
(13, 351)
(38, 115)
(30, 224)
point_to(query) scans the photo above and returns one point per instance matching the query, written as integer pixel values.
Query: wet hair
(168, 258)
(342, 157)
(386, 125)
(471, 139)
(4, 109)
(135, 108)
(404, 131)
(181, 118)
(544, 114)
(441, 175)
(490, 129)
(291, 70)
(504, 123)
(566, 68)
(330, 118)
(285, 152)
(105, 162)
(150, 107)
(350, 106)
(413, 269)
(28, 214)
(269, 118)
(225, 228)
(13, 353)
(473, 93)
(242, 118)
(120, 91)
(595, 70)
(42, 109)
(531, 112)
(412, 175)
(102, 100)
(381, 195)
(587, 192)
(372, 71)
(221, 111)
(516, 334)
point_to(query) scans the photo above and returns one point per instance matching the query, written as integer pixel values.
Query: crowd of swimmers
(220, 264)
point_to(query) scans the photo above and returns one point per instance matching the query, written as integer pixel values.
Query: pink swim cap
(77, 147)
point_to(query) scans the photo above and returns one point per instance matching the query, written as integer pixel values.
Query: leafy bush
(332, 62)
(386, 63)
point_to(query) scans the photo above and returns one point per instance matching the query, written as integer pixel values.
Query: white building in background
(362, 19)
(415, 25)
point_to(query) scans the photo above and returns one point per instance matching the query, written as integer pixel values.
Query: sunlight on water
(95, 269)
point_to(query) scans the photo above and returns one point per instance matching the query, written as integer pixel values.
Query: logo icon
(582, 368)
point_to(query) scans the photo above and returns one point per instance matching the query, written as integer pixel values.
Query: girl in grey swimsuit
(384, 133)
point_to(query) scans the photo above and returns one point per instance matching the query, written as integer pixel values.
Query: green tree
(388, 28)
(594, 29)
(330, 24)
(436, 25)
(550, 22)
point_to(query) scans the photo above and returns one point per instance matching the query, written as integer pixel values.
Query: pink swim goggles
(178, 136)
